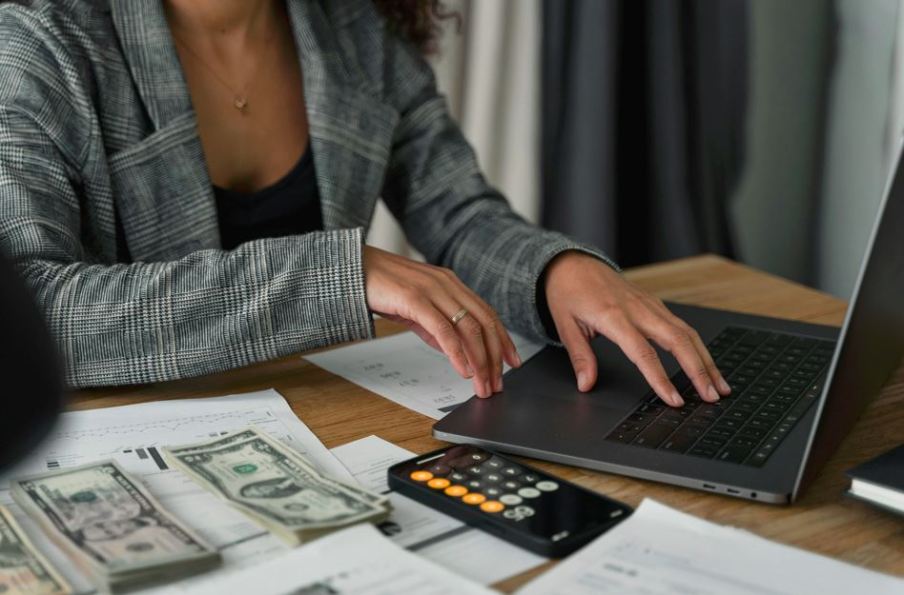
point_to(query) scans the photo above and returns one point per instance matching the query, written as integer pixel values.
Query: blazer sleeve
(435, 189)
(146, 322)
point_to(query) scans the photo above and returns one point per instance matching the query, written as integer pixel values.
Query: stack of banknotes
(111, 527)
(274, 486)
(22, 567)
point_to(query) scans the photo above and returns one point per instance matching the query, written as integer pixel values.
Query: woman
(144, 151)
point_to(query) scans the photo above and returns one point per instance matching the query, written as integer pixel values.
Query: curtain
(643, 105)
(489, 71)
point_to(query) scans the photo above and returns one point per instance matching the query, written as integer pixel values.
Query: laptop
(798, 389)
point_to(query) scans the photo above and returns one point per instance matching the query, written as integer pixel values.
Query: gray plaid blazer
(96, 121)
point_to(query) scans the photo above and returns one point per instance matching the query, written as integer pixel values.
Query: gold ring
(458, 316)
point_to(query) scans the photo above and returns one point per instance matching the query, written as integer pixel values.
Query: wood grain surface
(821, 521)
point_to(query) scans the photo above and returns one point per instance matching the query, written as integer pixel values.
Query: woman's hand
(586, 297)
(425, 298)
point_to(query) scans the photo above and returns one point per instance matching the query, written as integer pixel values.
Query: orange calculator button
(456, 491)
(421, 475)
(492, 506)
(473, 498)
(439, 483)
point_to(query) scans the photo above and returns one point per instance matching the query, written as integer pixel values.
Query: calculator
(508, 499)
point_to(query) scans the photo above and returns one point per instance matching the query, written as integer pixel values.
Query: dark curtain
(643, 122)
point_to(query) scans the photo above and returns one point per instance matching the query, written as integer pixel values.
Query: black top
(288, 207)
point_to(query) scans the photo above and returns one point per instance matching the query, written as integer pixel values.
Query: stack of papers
(661, 551)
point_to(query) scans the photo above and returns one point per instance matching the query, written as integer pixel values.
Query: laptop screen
(871, 342)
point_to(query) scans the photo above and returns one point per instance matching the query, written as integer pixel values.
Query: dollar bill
(252, 432)
(275, 486)
(111, 525)
(23, 569)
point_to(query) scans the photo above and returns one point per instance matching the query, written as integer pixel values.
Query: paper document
(426, 532)
(132, 435)
(659, 551)
(356, 560)
(404, 369)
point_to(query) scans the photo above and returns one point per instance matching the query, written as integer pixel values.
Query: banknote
(23, 569)
(275, 486)
(111, 525)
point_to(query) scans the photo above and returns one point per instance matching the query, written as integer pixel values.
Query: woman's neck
(245, 18)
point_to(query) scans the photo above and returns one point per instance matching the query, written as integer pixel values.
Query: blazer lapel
(350, 128)
(163, 189)
(162, 186)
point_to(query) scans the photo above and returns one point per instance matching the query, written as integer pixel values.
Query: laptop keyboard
(774, 378)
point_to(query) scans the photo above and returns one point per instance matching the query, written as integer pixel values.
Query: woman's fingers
(677, 341)
(488, 318)
(712, 370)
(498, 343)
(424, 313)
(583, 360)
(623, 333)
(475, 341)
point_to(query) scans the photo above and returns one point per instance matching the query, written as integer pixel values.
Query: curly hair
(417, 21)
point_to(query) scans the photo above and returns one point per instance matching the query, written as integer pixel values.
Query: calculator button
(511, 471)
(530, 478)
(440, 469)
(492, 506)
(473, 498)
(525, 510)
(511, 485)
(439, 483)
(475, 485)
(458, 476)
(511, 499)
(476, 470)
(494, 477)
(421, 475)
(547, 486)
(528, 492)
(512, 514)
(478, 457)
(495, 463)
(456, 491)
(493, 492)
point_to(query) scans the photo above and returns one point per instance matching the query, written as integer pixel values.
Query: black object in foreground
(515, 502)
(881, 481)
(29, 371)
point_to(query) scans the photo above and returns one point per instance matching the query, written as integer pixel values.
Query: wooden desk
(822, 521)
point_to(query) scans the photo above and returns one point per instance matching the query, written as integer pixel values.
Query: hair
(417, 21)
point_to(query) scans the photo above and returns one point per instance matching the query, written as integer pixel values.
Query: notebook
(881, 481)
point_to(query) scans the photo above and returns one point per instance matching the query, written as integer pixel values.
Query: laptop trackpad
(542, 396)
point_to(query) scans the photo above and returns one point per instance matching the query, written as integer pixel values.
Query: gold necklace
(239, 99)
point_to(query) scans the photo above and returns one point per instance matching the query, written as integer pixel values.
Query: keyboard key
(734, 454)
(712, 442)
(679, 442)
(721, 432)
(703, 451)
(749, 432)
(653, 435)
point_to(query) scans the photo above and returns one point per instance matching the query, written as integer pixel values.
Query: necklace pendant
(240, 103)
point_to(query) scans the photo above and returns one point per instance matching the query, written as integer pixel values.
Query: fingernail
(713, 394)
(582, 380)
(517, 360)
(470, 371)
(724, 386)
(677, 401)
(497, 385)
